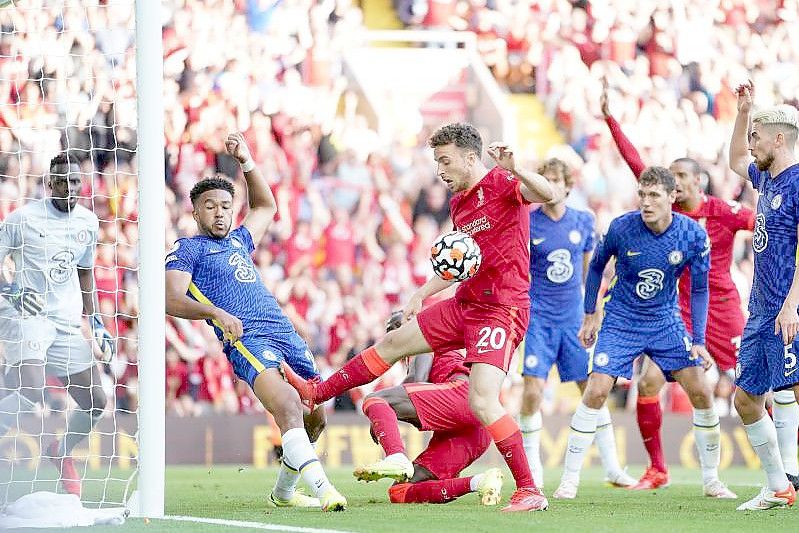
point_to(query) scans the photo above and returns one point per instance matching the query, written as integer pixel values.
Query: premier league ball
(455, 256)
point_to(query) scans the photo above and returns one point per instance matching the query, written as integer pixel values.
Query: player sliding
(722, 220)
(489, 312)
(211, 277)
(765, 154)
(51, 242)
(561, 242)
(652, 247)
(434, 397)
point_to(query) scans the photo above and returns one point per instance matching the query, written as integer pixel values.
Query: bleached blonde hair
(784, 116)
(778, 114)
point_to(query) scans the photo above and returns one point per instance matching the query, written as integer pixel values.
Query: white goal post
(152, 228)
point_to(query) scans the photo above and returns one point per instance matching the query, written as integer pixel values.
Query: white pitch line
(252, 525)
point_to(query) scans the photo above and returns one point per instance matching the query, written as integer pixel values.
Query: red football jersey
(496, 215)
(721, 220)
(446, 365)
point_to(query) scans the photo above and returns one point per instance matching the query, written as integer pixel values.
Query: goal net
(68, 86)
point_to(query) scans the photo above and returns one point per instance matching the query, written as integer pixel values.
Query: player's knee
(701, 398)
(594, 397)
(483, 406)
(745, 405)
(648, 387)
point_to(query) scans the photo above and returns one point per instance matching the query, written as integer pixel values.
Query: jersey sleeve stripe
(200, 297)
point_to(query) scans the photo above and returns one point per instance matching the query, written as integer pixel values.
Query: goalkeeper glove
(27, 303)
(104, 339)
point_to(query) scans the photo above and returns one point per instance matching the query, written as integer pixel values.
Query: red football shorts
(725, 325)
(489, 332)
(449, 453)
(442, 406)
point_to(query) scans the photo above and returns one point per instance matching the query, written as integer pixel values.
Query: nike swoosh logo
(786, 374)
(630, 253)
(536, 242)
(484, 350)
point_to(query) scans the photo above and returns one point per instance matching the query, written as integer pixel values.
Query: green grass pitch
(238, 494)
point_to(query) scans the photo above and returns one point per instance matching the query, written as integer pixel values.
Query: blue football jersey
(648, 267)
(222, 273)
(774, 240)
(556, 262)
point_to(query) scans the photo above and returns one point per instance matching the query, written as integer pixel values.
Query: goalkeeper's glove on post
(103, 338)
(26, 302)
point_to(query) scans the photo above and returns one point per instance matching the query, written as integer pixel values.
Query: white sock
(707, 436)
(786, 420)
(606, 442)
(476, 479)
(583, 429)
(79, 424)
(763, 438)
(286, 483)
(530, 426)
(299, 452)
(10, 408)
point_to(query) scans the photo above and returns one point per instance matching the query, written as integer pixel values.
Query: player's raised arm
(535, 187)
(787, 322)
(740, 158)
(626, 148)
(260, 198)
(181, 306)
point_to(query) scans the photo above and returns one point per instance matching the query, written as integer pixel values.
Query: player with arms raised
(51, 242)
(489, 312)
(765, 155)
(211, 277)
(722, 220)
(652, 247)
(561, 242)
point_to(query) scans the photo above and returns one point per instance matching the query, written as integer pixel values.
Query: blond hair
(784, 114)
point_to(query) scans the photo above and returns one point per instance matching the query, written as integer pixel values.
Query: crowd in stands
(356, 213)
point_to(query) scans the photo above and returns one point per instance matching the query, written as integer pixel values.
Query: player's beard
(218, 233)
(765, 163)
(65, 205)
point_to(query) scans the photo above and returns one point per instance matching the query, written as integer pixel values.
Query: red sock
(435, 491)
(384, 425)
(650, 418)
(360, 370)
(508, 438)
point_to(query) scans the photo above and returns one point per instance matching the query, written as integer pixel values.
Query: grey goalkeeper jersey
(47, 246)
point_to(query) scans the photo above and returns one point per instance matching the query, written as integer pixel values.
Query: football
(455, 256)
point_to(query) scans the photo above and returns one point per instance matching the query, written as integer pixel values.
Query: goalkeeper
(51, 242)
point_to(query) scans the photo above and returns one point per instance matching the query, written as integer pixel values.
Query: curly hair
(658, 176)
(464, 136)
(62, 159)
(558, 168)
(210, 184)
